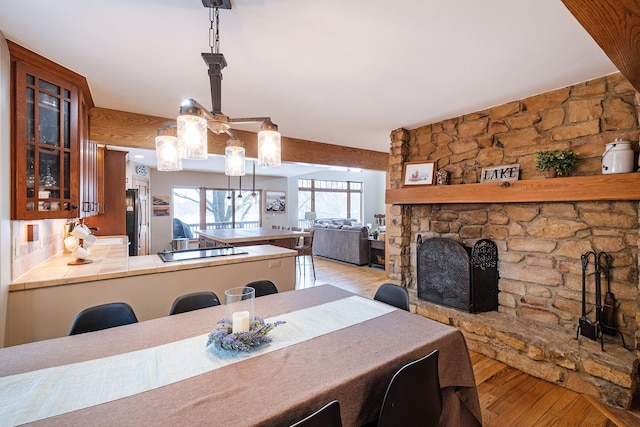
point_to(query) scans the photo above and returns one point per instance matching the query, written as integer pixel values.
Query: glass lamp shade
(234, 164)
(268, 145)
(192, 134)
(168, 153)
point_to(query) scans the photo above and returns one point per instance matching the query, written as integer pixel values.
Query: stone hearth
(544, 351)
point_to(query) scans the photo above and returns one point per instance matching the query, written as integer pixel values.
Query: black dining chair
(413, 397)
(103, 317)
(263, 287)
(327, 416)
(194, 301)
(394, 295)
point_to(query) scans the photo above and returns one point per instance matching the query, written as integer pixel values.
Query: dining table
(333, 345)
(251, 236)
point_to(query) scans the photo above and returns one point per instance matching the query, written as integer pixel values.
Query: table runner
(40, 394)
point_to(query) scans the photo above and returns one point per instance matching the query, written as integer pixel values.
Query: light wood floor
(508, 397)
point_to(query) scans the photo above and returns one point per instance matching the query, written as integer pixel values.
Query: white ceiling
(334, 71)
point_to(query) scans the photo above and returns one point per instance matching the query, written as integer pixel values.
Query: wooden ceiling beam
(615, 26)
(124, 129)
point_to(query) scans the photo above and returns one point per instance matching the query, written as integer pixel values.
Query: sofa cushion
(360, 228)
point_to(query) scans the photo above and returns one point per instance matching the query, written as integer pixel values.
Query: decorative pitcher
(617, 157)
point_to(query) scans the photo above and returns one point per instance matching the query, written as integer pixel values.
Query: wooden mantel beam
(124, 129)
(615, 26)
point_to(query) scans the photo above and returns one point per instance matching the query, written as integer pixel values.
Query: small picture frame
(275, 201)
(418, 173)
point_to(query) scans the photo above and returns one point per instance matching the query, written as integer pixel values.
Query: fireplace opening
(457, 276)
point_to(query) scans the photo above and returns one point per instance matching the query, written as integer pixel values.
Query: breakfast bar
(147, 283)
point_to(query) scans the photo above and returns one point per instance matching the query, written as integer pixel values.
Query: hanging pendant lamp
(168, 149)
(194, 120)
(234, 164)
(192, 132)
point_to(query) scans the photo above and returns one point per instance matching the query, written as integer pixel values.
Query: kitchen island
(43, 302)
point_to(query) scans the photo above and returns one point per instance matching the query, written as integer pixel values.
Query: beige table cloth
(352, 365)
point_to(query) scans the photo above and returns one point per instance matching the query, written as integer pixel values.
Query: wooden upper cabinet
(49, 122)
(112, 221)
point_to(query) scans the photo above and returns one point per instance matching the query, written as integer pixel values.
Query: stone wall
(539, 243)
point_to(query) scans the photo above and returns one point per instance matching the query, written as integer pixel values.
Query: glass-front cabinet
(46, 178)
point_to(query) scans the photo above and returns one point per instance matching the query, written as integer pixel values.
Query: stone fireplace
(539, 243)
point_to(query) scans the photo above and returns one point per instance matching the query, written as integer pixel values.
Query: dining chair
(413, 397)
(194, 301)
(263, 287)
(327, 416)
(103, 316)
(394, 295)
(306, 250)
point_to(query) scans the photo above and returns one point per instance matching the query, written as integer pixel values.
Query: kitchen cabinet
(89, 203)
(50, 107)
(113, 169)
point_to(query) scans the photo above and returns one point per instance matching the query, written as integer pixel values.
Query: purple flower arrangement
(222, 337)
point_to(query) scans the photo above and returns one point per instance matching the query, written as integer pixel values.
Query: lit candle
(240, 322)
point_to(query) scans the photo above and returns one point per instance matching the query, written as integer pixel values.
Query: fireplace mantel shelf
(567, 189)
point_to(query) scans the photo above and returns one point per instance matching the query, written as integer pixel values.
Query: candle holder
(241, 330)
(239, 303)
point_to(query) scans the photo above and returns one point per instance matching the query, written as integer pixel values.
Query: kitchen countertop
(111, 260)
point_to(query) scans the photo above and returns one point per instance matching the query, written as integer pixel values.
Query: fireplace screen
(456, 276)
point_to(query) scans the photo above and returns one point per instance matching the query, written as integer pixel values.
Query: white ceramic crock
(617, 157)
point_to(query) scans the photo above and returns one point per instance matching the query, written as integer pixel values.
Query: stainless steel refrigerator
(133, 221)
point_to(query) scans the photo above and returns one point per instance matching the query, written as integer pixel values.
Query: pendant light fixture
(234, 164)
(167, 149)
(192, 132)
(268, 144)
(228, 199)
(194, 119)
(254, 196)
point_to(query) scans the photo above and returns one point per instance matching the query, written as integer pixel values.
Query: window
(330, 199)
(213, 208)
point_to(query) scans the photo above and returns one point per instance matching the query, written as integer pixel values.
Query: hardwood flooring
(508, 397)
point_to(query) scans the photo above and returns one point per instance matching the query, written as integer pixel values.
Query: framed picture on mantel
(418, 173)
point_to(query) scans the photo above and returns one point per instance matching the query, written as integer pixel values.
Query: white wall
(5, 186)
(162, 183)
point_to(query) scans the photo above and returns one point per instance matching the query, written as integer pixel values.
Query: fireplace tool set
(605, 317)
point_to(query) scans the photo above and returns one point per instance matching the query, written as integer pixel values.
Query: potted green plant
(375, 233)
(557, 162)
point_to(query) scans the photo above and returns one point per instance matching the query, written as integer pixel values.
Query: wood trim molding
(124, 129)
(567, 189)
(615, 26)
(18, 52)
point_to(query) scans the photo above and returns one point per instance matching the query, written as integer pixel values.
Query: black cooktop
(199, 253)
